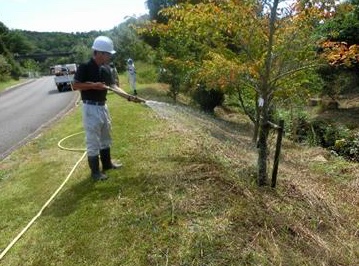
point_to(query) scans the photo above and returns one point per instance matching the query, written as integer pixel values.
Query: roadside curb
(16, 86)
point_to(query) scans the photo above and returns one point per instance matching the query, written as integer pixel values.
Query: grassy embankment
(10, 83)
(185, 196)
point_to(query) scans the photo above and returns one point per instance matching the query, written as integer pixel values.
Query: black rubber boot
(94, 164)
(107, 164)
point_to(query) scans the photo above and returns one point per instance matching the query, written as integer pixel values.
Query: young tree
(259, 50)
(9, 42)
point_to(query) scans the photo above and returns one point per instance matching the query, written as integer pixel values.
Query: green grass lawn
(185, 196)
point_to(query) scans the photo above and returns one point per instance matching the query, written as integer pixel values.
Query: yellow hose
(65, 138)
(23, 231)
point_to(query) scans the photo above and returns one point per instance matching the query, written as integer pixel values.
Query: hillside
(186, 196)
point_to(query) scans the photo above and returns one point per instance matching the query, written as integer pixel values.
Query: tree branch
(294, 71)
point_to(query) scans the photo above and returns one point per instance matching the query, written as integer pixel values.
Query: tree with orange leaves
(340, 53)
(258, 50)
(341, 44)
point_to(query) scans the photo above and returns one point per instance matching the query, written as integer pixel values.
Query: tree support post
(277, 153)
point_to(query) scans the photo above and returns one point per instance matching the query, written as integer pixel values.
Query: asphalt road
(27, 109)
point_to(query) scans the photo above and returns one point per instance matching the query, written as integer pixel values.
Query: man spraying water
(93, 79)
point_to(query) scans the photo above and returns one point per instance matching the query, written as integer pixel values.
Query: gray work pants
(97, 124)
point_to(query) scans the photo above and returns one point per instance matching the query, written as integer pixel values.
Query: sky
(68, 15)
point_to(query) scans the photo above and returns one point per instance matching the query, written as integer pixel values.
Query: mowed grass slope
(185, 196)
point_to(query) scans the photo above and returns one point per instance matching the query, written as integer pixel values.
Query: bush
(314, 132)
(300, 128)
(172, 78)
(326, 134)
(297, 125)
(5, 69)
(338, 80)
(348, 147)
(208, 99)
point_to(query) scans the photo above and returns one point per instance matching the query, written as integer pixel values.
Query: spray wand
(129, 97)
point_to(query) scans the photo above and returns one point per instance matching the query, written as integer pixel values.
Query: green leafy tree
(343, 24)
(128, 44)
(81, 53)
(5, 69)
(340, 48)
(3, 29)
(17, 43)
(258, 51)
(155, 6)
(52, 48)
(8, 64)
(31, 66)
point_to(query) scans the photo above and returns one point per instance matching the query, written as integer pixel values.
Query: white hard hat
(103, 44)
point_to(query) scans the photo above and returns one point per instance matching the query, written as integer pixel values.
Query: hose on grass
(23, 231)
(59, 144)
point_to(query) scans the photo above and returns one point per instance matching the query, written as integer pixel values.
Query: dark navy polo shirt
(90, 72)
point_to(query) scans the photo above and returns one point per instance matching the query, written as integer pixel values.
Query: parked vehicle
(64, 76)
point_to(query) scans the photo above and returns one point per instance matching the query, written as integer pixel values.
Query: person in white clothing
(131, 75)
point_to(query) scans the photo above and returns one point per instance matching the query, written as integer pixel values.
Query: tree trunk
(256, 121)
(264, 92)
(263, 147)
(255, 132)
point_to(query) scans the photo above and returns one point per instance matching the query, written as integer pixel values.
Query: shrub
(338, 80)
(297, 125)
(5, 69)
(300, 128)
(208, 99)
(348, 147)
